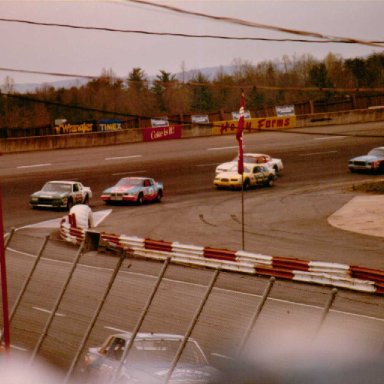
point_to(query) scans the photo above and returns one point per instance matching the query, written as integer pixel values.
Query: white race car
(61, 194)
(254, 158)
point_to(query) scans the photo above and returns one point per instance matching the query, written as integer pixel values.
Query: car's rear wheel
(69, 204)
(276, 168)
(246, 184)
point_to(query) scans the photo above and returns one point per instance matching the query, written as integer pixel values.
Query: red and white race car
(134, 189)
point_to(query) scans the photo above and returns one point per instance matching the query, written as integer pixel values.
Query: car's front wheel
(159, 195)
(140, 199)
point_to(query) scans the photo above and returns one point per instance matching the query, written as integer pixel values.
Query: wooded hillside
(291, 80)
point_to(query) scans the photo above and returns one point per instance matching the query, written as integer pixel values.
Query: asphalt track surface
(289, 219)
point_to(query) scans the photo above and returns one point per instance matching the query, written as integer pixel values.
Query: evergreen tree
(162, 90)
(202, 100)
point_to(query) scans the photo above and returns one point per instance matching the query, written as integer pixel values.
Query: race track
(289, 219)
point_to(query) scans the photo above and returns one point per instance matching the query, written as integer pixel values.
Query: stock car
(149, 360)
(253, 175)
(372, 162)
(61, 194)
(254, 158)
(135, 190)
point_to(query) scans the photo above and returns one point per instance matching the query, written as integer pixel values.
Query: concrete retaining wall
(75, 140)
(339, 118)
(81, 140)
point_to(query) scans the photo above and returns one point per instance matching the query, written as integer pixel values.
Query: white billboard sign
(285, 110)
(236, 115)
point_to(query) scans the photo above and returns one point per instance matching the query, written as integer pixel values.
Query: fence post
(95, 316)
(311, 107)
(23, 289)
(327, 307)
(191, 327)
(256, 314)
(58, 301)
(9, 238)
(140, 321)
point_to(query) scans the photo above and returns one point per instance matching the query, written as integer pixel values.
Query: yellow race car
(253, 175)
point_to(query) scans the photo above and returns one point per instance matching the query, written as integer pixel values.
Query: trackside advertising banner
(162, 133)
(253, 125)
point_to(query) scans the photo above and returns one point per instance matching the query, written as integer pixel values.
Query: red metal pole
(4, 291)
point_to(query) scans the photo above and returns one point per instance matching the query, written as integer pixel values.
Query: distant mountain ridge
(210, 73)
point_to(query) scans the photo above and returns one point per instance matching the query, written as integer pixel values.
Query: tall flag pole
(240, 160)
(240, 135)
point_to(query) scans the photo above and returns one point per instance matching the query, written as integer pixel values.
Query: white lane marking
(34, 165)
(48, 311)
(54, 223)
(317, 153)
(19, 348)
(330, 137)
(269, 298)
(122, 157)
(222, 356)
(203, 286)
(221, 148)
(128, 173)
(98, 217)
(15, 346)
(116, 329)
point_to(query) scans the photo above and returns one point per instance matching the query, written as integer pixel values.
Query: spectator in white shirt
(83, 216)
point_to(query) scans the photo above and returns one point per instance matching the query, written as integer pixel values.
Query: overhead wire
(242, 22)
(199, 84)
(64, 105)
(209, 85)
(258, 25)
(47, 73)
(325, 38)
(188, 35)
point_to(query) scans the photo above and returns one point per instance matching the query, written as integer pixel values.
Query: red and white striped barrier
(69, 231)
(316, 272)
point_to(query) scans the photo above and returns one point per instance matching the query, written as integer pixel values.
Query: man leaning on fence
(82, 216)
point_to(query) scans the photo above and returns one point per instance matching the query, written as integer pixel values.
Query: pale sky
(87, 52)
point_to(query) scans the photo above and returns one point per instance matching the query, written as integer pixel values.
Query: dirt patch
(369, 187)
